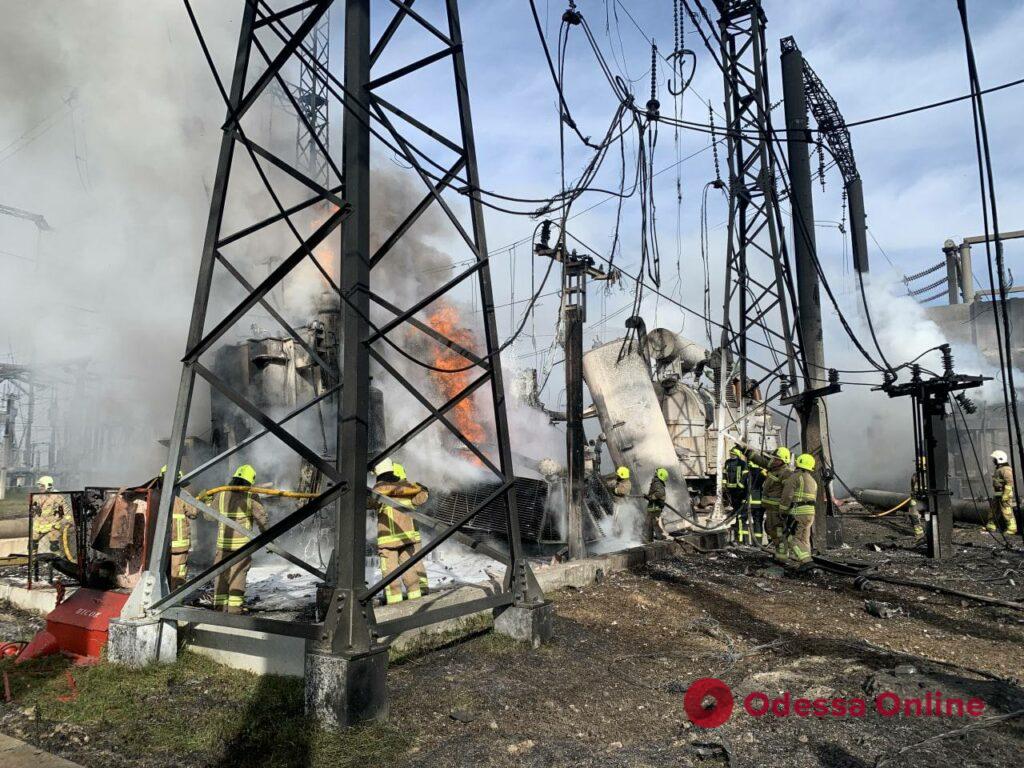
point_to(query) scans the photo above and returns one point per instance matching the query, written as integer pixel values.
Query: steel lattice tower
(757, 284)
(314, 102)
(347, 658)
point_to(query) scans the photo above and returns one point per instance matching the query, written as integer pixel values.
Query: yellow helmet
(399, 471)
(782, 452)
(662, 474)
(623, 473)
(46, 481)
(247, 473)
(163, 471)
(737, 453)
(805, 461)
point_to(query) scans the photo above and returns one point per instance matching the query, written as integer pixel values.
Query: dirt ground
(608, 689)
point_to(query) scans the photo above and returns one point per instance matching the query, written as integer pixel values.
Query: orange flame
(464, 415)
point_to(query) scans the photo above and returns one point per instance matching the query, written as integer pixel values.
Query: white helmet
(384, 466)
(1000, 457)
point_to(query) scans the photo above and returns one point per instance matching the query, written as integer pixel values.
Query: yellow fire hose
(65, 542)
(261, 491)
(898, 506)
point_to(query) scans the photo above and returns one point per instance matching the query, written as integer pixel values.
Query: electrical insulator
(833, 377)
(784, 385)
(966, 403)
(653, 105)
(947, 360)
(545, 233)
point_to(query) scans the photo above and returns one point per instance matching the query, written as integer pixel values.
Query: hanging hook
(678, 61)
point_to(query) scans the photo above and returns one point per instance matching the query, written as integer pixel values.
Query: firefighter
(777, 471)
(242, 507)
(734, 481)
(49, 518)
(656, 505)
(799, 492)
(397, 537)
(916, 496)
(619, 484)
(1002, 493)
(755, 482)
(181, 531)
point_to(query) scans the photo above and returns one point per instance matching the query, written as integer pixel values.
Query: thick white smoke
(871, 434)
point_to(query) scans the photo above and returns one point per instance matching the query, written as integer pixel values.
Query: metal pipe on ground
(964, 510)
(14, 528)
(944, 590)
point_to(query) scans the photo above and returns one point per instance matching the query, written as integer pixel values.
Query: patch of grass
(497, 645)
(197, 707)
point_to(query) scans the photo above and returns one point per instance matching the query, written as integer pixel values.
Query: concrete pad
(264, 653)
(41, 599)
(530, 624)
(258, 652)
(342, 691)
(17, 754)
(10, 547)
(137, 643)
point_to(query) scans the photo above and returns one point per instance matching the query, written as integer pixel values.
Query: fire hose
(692, 521)
(890, 511)
(260, 491)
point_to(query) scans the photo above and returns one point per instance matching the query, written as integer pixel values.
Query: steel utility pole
(575, 270)
(834, 132)
(574, 315)
(813, 427)
(8, 452)
(928, 401)
(29, 457)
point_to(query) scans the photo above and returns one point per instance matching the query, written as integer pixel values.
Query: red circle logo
(708, 702)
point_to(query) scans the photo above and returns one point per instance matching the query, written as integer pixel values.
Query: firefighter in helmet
(397, 537)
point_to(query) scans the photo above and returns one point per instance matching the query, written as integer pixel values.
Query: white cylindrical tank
(686, 414)
(665, 347)
(631, 418)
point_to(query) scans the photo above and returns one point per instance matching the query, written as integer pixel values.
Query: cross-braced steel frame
(314, 101)
(759, 294)
(350, 627)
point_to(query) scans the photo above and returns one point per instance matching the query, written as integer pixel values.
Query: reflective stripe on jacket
(735, 473)
(656, 497)
(396, 529)
(799, 493)
(243, 509)
(775, 477)
(181, 541)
